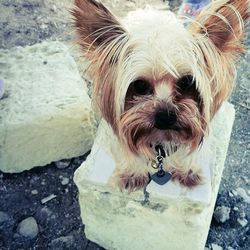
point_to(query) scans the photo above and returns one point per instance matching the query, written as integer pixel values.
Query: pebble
(45, 212)
(64, 242)
(243, 194)
(48, 198)
(222, 214)
(65, 181)
(3, 217)
(242, 221)
(28, 228)
(43, 26)
(54, 8)
(234, 192)
(45, 216)
(34, 191)
(62, 164)
(216, 247)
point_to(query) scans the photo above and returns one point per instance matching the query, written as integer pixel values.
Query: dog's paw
(188, 178)
(131, 182)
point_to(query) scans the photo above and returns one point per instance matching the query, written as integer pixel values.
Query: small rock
(242, 214)
(54, 8)
(216, 247)
(234, 192)
(65, 181)
(230, 248)
(64, 242)
(243, 194)
(242, 221)
(28, 228)
(48, 198)
(43, 26)
(45, 212)
(79, 160)
(3, 217)
(45, 216)
(221, 214)
(236, 209)
(34, 191)
(62, 164)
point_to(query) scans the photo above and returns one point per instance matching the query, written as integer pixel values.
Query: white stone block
(164, 217)
(45, 114)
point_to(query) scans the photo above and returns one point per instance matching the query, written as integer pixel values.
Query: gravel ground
(39, 208)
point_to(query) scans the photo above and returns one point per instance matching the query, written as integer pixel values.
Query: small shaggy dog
(159, 84)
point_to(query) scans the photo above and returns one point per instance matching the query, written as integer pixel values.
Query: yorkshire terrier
(157, 81)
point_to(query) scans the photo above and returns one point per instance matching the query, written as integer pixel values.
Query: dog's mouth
(143, 140)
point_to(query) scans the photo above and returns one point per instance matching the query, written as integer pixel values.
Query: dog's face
(156, 81)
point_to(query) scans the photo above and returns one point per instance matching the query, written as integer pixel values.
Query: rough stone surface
(46, 114)
(222, 214)
(178, 219)
(28, 228)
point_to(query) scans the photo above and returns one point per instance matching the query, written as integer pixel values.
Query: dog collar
(161, 177)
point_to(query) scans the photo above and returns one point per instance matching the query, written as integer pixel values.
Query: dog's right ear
(103, 41)
(96, 26)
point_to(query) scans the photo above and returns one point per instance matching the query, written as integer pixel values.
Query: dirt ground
(59, 224)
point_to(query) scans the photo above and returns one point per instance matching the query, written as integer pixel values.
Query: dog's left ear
(224, 24)
(219, 31)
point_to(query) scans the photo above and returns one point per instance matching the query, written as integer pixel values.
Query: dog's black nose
(164, 119)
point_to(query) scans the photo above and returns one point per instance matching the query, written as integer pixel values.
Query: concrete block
(45, 113)
(163, 217)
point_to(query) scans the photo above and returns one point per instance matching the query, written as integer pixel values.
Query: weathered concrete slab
(45, 114)
(171, 217)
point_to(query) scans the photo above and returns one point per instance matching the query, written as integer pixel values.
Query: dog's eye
(185, 82)
(142, 87)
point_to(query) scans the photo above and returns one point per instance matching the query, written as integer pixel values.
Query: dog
(158, 82)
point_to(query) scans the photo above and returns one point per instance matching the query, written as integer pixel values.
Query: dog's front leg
(131, 174)
(186, 170)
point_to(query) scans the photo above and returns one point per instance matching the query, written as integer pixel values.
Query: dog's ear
(96, 26)
(219, 31)
(102, 39)
(224, 24)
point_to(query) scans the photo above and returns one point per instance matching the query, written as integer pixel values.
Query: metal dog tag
(161, 177)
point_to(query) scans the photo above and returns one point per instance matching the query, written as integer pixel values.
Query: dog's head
(156, 81)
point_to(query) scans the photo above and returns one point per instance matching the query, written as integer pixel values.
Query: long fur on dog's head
(156, 81)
